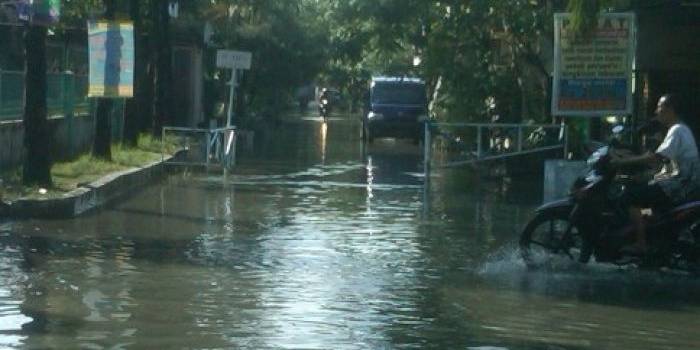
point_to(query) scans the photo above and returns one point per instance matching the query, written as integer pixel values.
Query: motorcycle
(592, 222)
(325, 108)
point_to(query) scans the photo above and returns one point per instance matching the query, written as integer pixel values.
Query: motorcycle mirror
(617, 129)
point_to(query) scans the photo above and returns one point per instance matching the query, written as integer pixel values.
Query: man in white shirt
(679, 176)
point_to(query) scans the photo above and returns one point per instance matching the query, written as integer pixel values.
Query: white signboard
(233, 59)
(593, 75)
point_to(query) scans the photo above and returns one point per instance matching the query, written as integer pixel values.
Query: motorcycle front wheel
(551, 233)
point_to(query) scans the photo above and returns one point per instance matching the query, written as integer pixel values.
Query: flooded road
(318, 243)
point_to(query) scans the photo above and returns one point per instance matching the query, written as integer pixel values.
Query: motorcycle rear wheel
(685, 253)
(551, 233)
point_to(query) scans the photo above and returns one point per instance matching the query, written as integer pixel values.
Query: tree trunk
(37, 138)
(163, 100)
(146, 98)
(134, 110)
(101, 147)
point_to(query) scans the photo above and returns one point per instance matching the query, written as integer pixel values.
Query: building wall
(668, 37)
(668, 45)
(70, 138)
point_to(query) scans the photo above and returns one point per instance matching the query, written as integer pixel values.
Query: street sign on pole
(233, 60)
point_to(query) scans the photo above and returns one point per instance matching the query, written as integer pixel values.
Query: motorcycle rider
(679, 176)
(325, 101)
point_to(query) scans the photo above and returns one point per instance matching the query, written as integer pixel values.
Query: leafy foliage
(479, 57)
(287, 48)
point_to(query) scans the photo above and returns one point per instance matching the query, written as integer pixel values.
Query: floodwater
(318, 243)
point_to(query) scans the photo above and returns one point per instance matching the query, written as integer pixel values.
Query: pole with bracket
(478, 141)
(232, 89)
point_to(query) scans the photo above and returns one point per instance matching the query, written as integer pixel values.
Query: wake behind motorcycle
(592, 222)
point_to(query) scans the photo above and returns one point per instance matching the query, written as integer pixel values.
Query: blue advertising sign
(593, 75)
(111, 46)
(24, 10)
(39, 12)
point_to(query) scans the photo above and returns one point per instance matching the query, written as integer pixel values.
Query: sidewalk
(86, 197)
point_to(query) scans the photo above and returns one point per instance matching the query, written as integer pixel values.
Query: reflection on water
(313, 244)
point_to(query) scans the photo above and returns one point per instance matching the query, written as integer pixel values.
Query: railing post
(478, 141)
(565, 130)
(520, 138)
(427, 146)
(208, 148)
(234, 136)
(1, 93)
(162, 145)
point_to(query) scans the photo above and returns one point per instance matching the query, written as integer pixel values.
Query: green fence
(63, 91)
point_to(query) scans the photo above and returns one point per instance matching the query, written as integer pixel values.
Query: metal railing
(457, 144)
(64, 90)
(201, 147)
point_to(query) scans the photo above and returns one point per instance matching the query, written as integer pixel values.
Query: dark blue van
(396, 107)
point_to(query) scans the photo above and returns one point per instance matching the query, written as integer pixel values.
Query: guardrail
(458, 144)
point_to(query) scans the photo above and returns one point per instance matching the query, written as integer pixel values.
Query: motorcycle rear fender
(562, 205)
(690, 210)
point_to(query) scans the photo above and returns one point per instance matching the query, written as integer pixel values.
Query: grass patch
(70, 175)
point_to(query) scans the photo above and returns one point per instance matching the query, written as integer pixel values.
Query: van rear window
(398, 93)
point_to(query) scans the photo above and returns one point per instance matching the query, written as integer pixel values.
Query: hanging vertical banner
(593, 75)
(23, 9)
(111, 47)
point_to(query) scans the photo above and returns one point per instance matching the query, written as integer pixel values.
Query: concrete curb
(87, 197)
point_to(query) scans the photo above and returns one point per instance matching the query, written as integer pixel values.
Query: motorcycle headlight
(595, 157)
(373, 115)
(593, 176)
(324, 101)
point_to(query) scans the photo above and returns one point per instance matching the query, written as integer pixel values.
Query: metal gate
(202, 147)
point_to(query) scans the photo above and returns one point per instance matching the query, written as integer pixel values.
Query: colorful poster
(111, 46)
(593, 75)
(46, 12)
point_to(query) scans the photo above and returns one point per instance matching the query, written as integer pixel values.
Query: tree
(288, 46)
(137, 108)
(470, 52)
(37, 138)
(102, 145)
(163, 67)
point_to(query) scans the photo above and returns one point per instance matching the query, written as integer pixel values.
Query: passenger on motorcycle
(679, 176)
